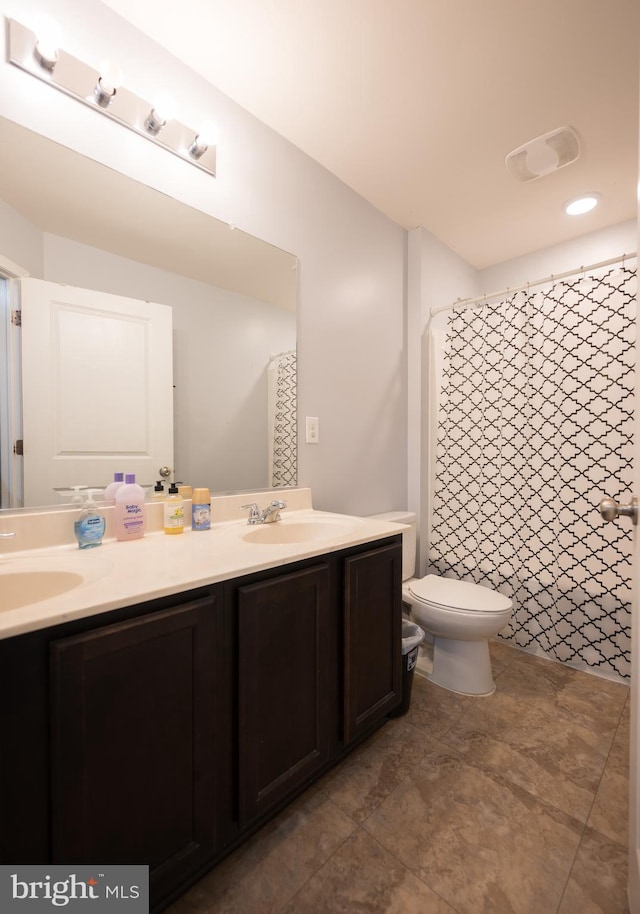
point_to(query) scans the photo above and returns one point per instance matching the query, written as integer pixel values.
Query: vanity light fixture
(40, 54)
(580, 205)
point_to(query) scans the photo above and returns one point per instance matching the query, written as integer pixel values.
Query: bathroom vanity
(166, 730)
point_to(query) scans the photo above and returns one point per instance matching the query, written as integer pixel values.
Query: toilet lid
(458, 594)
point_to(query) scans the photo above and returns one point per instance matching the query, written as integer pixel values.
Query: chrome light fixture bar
(101, 91)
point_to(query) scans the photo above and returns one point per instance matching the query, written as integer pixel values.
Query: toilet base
(462, 666)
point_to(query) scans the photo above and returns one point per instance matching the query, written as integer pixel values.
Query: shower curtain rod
(481, 299)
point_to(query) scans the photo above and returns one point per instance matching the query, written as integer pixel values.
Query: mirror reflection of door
(97, 389)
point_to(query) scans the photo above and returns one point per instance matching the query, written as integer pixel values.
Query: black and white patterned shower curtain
(283, 421)
(535, 427)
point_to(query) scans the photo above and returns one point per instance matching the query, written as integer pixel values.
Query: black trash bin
(412, 637)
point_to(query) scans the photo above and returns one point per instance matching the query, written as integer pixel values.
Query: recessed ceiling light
(580, 205)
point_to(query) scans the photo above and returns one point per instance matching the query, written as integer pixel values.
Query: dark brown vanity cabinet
(164, 733)
(284, 683)
(135, 753)
(372, 638)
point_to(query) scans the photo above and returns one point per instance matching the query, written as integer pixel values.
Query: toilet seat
(448, 593)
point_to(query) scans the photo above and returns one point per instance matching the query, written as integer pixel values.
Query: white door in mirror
(97, 388)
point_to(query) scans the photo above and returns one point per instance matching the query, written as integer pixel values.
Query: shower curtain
(535, 427)
(281, 406)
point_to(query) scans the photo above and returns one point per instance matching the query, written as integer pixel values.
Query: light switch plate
(312, 430)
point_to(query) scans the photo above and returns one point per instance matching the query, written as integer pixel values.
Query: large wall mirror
(67, 219)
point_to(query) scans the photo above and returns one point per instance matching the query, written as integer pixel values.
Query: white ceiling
(415, 103)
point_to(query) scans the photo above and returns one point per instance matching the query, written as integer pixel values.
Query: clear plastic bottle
(158, 491)
(129, 515)
(112, 488)
(174, 511)
(90, 525)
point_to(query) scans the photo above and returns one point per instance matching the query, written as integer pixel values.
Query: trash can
(412, 636)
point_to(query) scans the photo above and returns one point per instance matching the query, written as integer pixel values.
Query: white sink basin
(301, 531)
(31, 580)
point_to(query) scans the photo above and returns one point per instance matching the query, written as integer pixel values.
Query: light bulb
(48, 39)
(111, 76)
(208, 133)
(206, 136)
(581, 205)
(164, 108)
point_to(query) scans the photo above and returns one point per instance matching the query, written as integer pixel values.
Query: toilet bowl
(459, 616)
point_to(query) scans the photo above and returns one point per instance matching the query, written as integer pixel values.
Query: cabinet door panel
(283, 683)
(372, 631)
(133, 754)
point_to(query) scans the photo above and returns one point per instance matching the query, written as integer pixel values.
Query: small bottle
(158, 491)
(173, 511)
(129, 516)
(112, 488)
(201, 510)
(90, 526)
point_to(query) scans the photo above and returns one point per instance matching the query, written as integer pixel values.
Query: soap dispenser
(174, 511)
(90, 525)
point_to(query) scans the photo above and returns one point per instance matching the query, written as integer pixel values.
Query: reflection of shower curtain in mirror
(283, 450)
(535, 427)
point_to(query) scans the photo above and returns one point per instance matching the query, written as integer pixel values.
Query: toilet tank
(408, 539)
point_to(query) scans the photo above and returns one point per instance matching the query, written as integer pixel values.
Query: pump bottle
(90, 525)
(174, 511)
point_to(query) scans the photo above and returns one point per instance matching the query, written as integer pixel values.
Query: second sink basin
(302, 531)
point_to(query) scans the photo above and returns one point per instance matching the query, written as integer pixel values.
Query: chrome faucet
(268, 515)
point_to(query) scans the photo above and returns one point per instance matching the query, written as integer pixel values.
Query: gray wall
(352, 364)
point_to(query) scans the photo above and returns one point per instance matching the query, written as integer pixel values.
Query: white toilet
(459, 616)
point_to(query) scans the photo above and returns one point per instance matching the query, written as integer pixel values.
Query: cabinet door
(284, 714)
(372, 632)
(134, 743)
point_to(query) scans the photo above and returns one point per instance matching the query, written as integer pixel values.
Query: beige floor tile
(570, 694)
(610, 812)
(363, 780)
(434, 709)
(480, 842)
(555, 759)
(598, 882)
(502, 654)
(468, 805)
(363, 877)
(264, 874)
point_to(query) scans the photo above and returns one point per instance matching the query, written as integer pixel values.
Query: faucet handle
(276, 503)
(254, 511)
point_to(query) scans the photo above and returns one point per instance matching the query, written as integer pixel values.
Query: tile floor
(512, 803)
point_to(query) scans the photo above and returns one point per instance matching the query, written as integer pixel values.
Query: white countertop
(118, 574)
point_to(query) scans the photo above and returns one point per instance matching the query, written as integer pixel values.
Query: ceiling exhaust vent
(543, 155)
